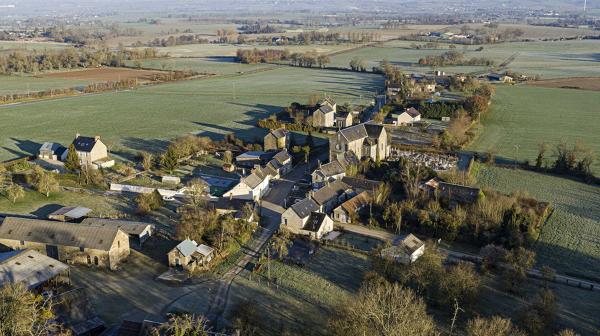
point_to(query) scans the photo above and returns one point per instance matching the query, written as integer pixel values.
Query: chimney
(97, 138)
(77, 135)
(319, 162)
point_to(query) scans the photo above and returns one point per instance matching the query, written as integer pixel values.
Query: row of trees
(176, 40)
(575, 160)
(307, 59)
(69, 58)
(453, 57)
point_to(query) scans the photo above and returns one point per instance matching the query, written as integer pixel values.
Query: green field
(38, 204)
(220, 50)
(526, 116)
(10, 46)
(546, 59)
(143, 119)
(24, 84)
(212, 65)
(569, 240)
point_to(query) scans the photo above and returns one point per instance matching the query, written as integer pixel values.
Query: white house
(407, 117)
(251, 187)
(406, 250)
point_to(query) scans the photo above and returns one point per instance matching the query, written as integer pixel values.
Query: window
(118, 244)
(22, 242)
(81, 248)
(285, 221)
(89, 260)
(95, 260)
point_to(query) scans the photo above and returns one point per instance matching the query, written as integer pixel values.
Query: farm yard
(146, 118)
(526, 116)
(546, 59)
(569, 240)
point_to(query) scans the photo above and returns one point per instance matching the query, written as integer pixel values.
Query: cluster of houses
(91, 152)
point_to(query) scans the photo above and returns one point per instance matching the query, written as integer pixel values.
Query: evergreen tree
(72, 160)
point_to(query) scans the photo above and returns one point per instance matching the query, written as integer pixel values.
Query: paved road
(271, 208)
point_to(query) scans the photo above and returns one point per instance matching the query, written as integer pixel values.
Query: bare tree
(494, 326)
(381, 308)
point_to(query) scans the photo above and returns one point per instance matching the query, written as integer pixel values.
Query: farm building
(138, 232)
(367, 140)
(31, 268)
(408, 117)
(92, 152)
(277, 139)
(500, 78)
(52, 151)
(333, 170)
(350, 208)
(188, 255)
(69, 213)
(69, 243)
(252, 158)
(406, 250)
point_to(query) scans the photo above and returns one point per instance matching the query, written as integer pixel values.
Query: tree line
(307, 59)
(70, 58)
(454, 58)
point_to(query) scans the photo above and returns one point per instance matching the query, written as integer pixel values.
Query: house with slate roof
(333, 170)
(324, 116)
(408, 117)
(366, 140)
(189, 255)
(52, 151)
(253, 186)
(92, 152)
(405, 250)
(317, 225)
(277, 139)
(70, 243)
(296, 216)
(332, 195)
(350, 208)
(343, 119)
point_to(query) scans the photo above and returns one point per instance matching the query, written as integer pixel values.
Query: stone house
(331, 195)
(189, 255)
(367, 140)
(333, 170)
(343, 119)
(91, 151)
(281, 163)
(296, 216)
(277, 139)
(324, 116)
(138, 232)
(345, 212)
(69, 243)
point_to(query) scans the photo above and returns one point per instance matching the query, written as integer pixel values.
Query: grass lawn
(569, 240)
(10, 46)
(526, 116)
(23, 84)
(148, 117)
(303, 297)
(546, 59)
(38, 204)
(227, 50)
